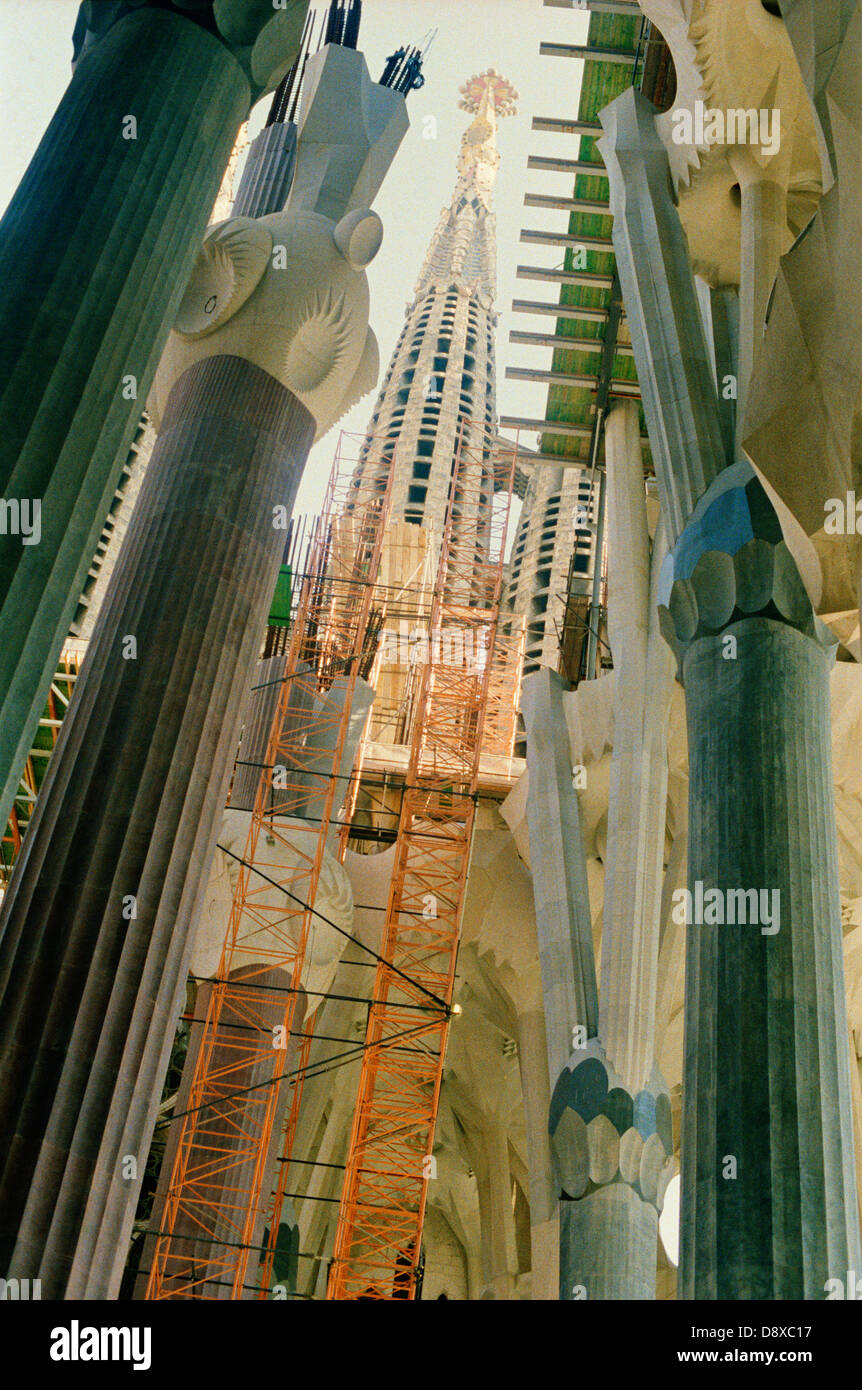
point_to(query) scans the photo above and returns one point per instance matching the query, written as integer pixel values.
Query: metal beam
(569, 344)
(551, 164)
(593, 55)
(551, 200)
(552, 340)
(562, 427)
(626, 7)
(552, 460)
(591, 243)
(565, 277)
(559, 311)
(618, 386)
(560, 125)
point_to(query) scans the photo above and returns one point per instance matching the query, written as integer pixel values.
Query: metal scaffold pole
(377, 1243)
(218, 1198)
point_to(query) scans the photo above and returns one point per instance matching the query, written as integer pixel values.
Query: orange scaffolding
(36, 767)
(389, 1162)
(218, 1197)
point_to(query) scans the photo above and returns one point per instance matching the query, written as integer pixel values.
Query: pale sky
(472, 35)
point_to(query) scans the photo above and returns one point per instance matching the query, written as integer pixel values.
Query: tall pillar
(560, 888)
(769, 1202)
(101, 916)
(637, 804)
(544, 1219)
(95, 251)
(503, 1253)
(769, 1205)
(610, 1138)
(97, 921)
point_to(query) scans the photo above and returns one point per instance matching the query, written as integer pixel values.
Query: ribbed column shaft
(128, 819)
(637, 809)
(257, 727)
(267, 172)
(769, 1198)
(95, 252)
(559, 869)
(608, 1246)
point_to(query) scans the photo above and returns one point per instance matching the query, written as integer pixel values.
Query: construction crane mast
(390, 1159)
(218, 1196)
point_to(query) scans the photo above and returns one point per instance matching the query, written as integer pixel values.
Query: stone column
(101, 917)
(267, 172)
(95, 251)
(769, 1205)
(502, 1249)
(560, 888)
(764, 230)
(544, 1221)
(97, 922)
(637, 806)
(609, 1122)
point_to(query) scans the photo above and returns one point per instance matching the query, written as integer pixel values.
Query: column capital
(263, 36)
(732, 562)
(601, 1133)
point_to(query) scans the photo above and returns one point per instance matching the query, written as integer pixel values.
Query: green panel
(602, 83)
(279, 613)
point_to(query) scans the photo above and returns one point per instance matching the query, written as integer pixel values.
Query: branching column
(769, 1200)
(95, 251)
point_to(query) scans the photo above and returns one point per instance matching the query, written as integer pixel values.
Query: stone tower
(441, 379)
(556, 530)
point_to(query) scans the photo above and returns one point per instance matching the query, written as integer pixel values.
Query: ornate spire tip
(504, 95)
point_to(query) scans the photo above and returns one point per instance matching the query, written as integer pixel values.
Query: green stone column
(769, 1206)
(612, 1153)
(768, 1183)
(95, 251)
(99, 922)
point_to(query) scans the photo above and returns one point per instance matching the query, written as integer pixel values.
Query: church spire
(487, 96)
(462, 250)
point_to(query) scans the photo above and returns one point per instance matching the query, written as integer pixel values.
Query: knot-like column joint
(732, 562)
(262, 36)
(602, 1134)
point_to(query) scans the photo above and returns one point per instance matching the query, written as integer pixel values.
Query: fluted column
(255, 369)
(769, 1198)
(97, 923)
(267, 172)
(637, 805)
(768, 1179)
(95, 251)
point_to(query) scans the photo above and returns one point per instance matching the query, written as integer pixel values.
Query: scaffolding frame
(218, 1196)
(382, 1209)
(36, 767)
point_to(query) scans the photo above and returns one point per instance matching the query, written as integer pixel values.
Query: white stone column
(644, 670)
